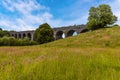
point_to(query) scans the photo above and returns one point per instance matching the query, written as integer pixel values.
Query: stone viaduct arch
(68, 31)
(58, 32)
(22, 34)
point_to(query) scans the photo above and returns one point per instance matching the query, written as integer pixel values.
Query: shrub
(11, 41)
(4, 33)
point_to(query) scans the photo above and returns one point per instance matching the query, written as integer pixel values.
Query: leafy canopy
(0, 29)
(44, 34)
(3, 33)
(100, 16)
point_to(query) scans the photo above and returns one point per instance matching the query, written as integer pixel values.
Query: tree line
(43, 34)
(3, 33)
(6, 40)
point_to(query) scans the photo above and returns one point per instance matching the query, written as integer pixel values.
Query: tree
(100, 16)
(44, 34)
(4, 33)
(0, 29)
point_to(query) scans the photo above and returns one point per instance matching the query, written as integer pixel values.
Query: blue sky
(22, 15)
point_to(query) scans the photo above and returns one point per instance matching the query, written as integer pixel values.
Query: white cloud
(22, 6)
(7, 4)
(27, 20)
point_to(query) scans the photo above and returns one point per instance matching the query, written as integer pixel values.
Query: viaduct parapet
(58, 32)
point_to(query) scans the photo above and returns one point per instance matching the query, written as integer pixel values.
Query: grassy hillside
(88, 56)
(109, 37)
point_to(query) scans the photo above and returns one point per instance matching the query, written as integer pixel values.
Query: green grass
(109, 37)
(88, 56)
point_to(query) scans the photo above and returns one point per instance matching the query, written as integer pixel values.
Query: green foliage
(0, 29)
(4, 33)
(11, 41)
(100, 16)
(44, 34)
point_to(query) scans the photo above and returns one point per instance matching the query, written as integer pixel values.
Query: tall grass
(29, 63)
(68, 59)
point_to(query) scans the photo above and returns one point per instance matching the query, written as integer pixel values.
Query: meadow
(87, 56)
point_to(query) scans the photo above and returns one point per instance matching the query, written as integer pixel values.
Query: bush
(11, 41)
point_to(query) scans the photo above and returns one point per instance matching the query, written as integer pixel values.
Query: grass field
(88, 56)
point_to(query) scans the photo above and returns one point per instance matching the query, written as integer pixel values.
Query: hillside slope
(106, 37)
(88, 56)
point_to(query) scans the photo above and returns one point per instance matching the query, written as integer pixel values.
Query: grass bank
(88, 56)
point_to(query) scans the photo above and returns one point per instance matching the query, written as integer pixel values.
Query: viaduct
(58, 32)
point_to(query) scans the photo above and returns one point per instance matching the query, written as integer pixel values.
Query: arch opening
(12, 35)
(71, 33)
(60, 35)
(15, 35)
(24, 35)
(19, 36)
(29, 36)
